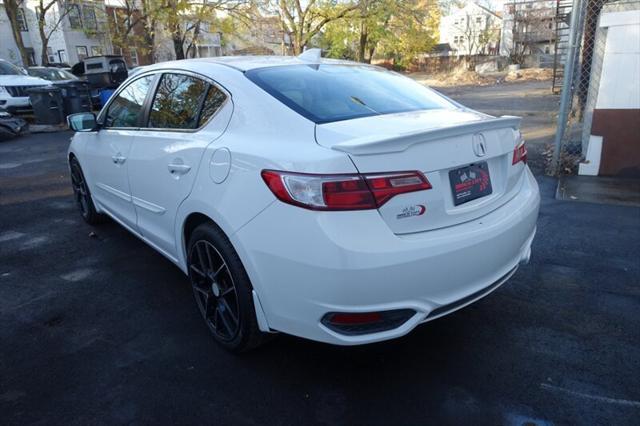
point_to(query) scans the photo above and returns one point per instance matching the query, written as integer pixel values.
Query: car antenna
(311, 55)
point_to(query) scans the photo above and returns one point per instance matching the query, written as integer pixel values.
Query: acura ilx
(331, 200)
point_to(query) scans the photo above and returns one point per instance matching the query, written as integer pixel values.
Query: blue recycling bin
(105, 94)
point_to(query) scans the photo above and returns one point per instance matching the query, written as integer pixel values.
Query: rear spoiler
(400, 142)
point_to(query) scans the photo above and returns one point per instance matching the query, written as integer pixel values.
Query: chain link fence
(582, 68)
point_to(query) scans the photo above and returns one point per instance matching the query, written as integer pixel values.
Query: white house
(472, 29)
(529, 27)
(81, 32)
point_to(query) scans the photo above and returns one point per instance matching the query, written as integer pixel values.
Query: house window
(31, 56)
(547, 50)
(455, 39)
(50, 56)
(22, 22)
(82, 53)
(478, 19)
(89, 17)
(117, 51)
(133, 53)
(74, 17)
(96, 50)
(62, 55)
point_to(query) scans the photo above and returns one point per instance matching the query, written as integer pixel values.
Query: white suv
(14, 84)
(331, 200)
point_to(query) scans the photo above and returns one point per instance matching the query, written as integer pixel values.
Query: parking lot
(98, 328)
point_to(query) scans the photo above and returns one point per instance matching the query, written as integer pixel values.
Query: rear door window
(212, 103)
(125, 110)
(177, 102)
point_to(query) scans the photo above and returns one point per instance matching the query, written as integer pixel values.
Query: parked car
(72, 87)
(52, 74)
(14, 83)
(10, 126)
(331, 200)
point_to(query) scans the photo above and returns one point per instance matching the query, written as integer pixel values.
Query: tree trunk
(297, 43)
(44, 58)
(362, 44)
(193, 45)
(177, 46)
(149, 31)
(11, 7)
(372, 50)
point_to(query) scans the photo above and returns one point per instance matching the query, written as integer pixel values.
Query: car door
(107, 153)
(186, 113)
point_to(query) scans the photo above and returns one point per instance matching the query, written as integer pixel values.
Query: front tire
(82, 195)
(222, 290)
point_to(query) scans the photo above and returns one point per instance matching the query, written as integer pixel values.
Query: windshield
(326, 93)
(7, 68)
(51, 74)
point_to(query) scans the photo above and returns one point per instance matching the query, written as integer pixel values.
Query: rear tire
(222, 290)
(82, 195)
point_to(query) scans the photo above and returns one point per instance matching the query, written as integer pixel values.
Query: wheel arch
(189, 224)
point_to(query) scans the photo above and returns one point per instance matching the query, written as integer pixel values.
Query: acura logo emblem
(479, 145)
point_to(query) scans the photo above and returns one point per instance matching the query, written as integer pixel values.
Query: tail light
(520, 153)
(342, 192)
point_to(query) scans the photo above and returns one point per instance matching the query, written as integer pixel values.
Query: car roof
(245, 63)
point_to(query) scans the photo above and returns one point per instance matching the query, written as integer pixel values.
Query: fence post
(567, 85)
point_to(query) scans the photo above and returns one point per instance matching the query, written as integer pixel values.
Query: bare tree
(49, 19)
(469, 33)
(11, 7)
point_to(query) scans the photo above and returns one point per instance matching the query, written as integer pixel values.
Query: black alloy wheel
(82, 195)
(222, 289)
(214, 290)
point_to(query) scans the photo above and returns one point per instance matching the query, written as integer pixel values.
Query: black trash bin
(76, 97)
(47, 104)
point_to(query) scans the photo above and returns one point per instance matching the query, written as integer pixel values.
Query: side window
(212, 103)
(125, 109)
(177, 102)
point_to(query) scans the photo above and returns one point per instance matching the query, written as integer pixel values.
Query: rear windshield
(326, 93)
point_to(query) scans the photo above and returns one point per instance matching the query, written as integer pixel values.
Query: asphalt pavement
(97, 328)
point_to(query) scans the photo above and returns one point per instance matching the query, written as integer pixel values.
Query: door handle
(119, 159)
(178, 169)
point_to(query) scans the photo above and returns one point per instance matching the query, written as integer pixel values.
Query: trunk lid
(434, 142)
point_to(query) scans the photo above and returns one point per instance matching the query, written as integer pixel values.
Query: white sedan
(330, 200)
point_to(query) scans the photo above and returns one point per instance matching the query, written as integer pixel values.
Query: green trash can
(47, 104)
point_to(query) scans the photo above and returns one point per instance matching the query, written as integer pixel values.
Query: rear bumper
(304, 264)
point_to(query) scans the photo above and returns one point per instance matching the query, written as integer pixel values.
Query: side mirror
(83, 122)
